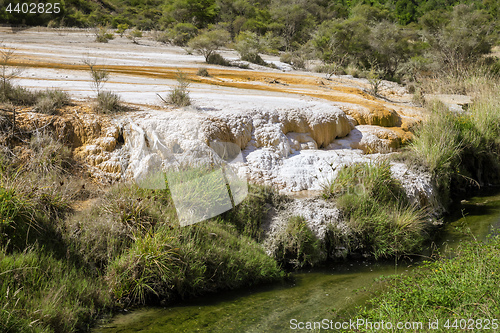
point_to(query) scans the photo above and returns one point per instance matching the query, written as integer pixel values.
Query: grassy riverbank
(461, 150)
(458, 292)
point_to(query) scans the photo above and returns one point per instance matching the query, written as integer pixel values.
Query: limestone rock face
(377, 139)
(379, 115)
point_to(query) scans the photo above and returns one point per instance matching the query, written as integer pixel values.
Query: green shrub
(179, 95)
(102, 35)
(50, 100)
(353, 70)
(181, 33)
(108, 102)
(330, 70)
(121, 28)
(217, 59)
(134, 35)
(294, 59)
(376, 208)
(254, 58)
(202, 71)
(208, 42)
(248, 46)
(297, 244)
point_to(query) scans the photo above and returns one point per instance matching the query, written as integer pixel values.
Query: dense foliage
(400, 39)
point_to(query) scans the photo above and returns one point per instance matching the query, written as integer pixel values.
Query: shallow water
(328, 293)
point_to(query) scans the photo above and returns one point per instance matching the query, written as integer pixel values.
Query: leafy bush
(248, 46)
(49, 101)
(294, 59)
(121, 28)
(459, 38)
(181, 33)
(179, 95)
(208, 42)
(202, 71)
(134, 35)
(108, 102)
(217, 59)
(254, 58)
(102, 35)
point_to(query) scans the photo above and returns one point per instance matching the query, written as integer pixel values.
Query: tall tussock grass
(176, 262)
(298, 246)
(44, 101)
(375, 206)
(461, 148)
(45, 287)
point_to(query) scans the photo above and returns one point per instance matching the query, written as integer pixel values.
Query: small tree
(99, 76)
(374, 77)
(179, 95)
(121, 28)
(102, 35)
(209, 42)
(134, 35)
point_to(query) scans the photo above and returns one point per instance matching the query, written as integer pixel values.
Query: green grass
(43, 294)
(298, 246)
(178, 262)
(108, 102)
(464, 287)
(461, 149)
(249, 215)
(376, 208)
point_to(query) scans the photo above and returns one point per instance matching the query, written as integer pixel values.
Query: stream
(331, 292)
